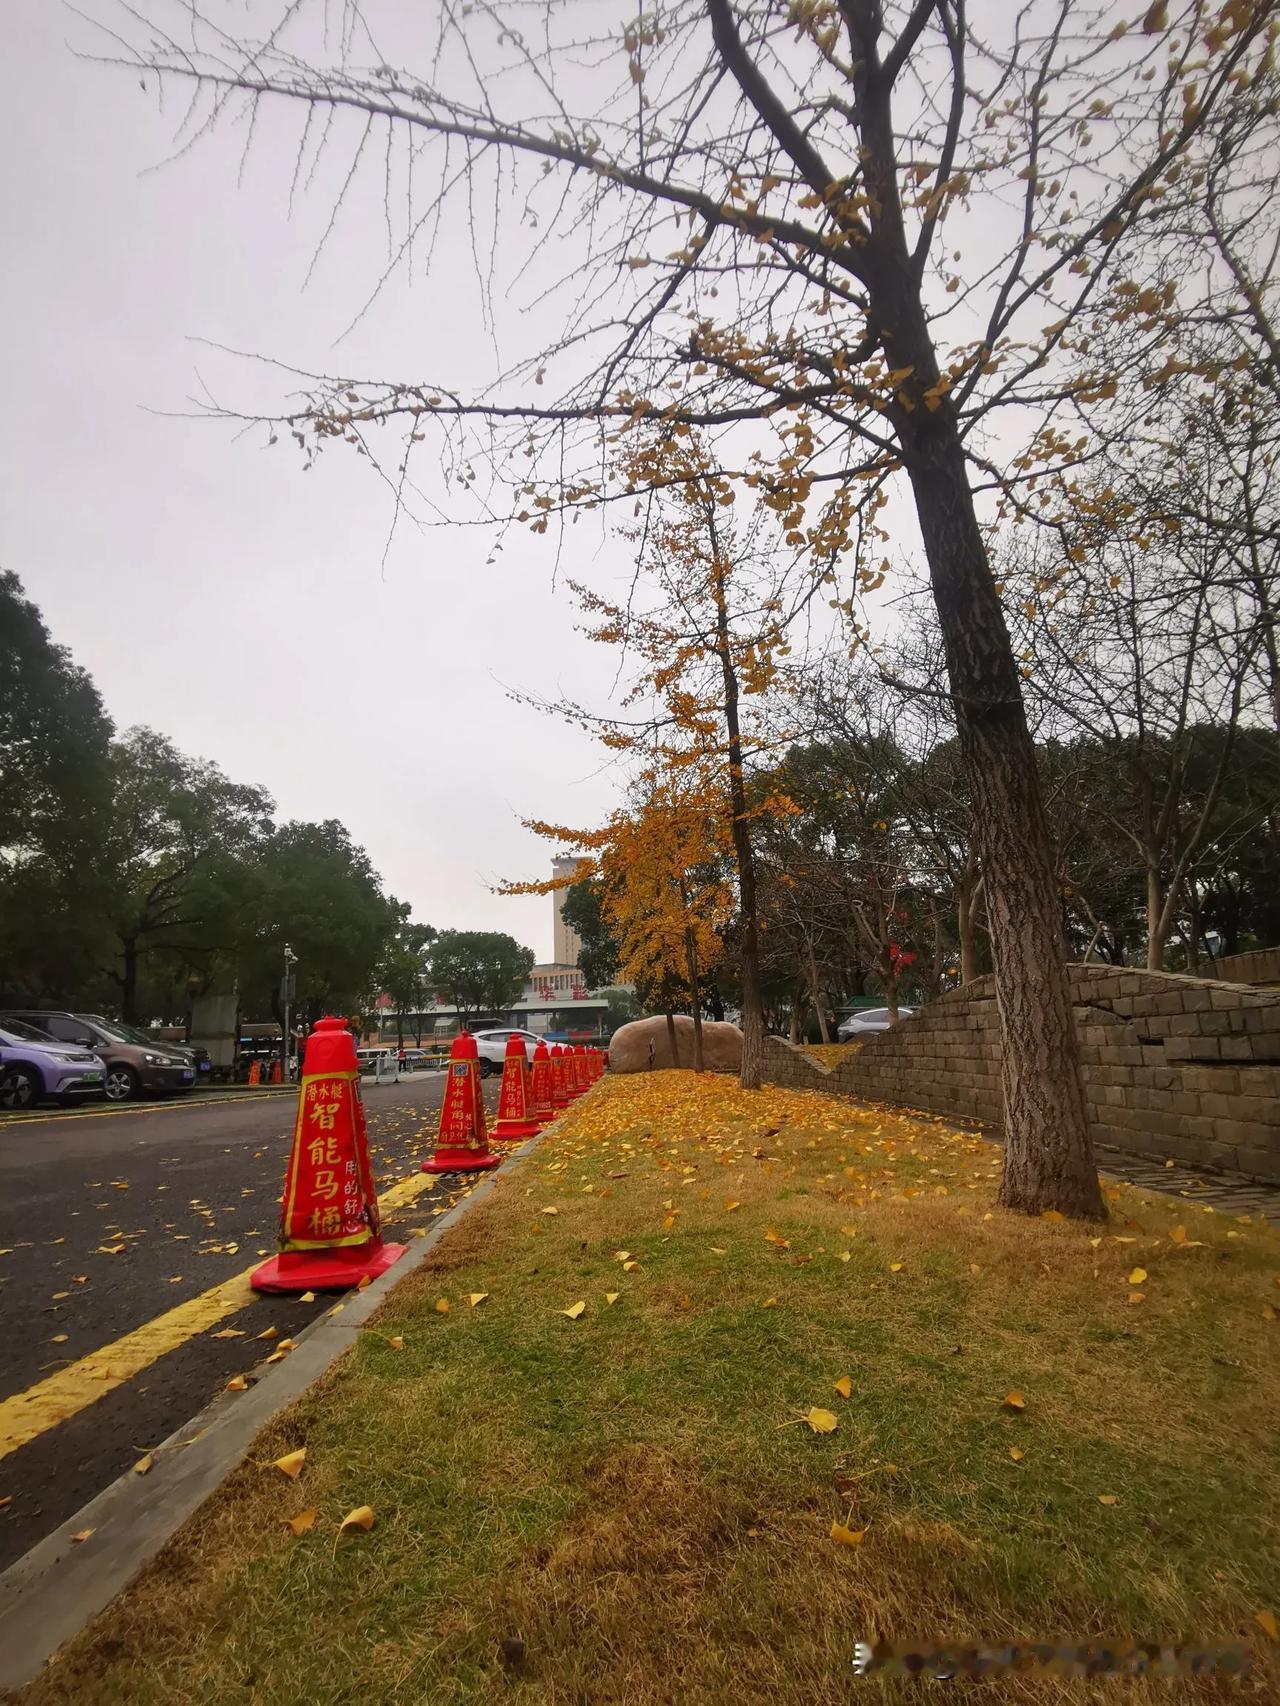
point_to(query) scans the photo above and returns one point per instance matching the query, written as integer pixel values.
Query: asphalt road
(109, 1219)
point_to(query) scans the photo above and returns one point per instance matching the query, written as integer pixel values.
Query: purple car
(33, 1065)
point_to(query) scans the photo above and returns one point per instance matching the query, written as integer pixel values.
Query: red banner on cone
(330, 1231)
(543, 1107)
(515, 1101)
(561, 1094)
(462, 1140)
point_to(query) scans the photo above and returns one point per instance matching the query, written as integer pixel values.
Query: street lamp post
(290, 960)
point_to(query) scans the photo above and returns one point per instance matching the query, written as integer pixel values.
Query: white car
(870, 1019)
(491, 1046)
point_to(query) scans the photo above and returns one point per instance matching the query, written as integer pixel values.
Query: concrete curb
(57, 1588)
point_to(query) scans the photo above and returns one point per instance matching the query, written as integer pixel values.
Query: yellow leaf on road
(360, 1517)
(307, 1297)
(844, 1386)
(575, 1310)
(143, 1465)
(237, 1383)
(269, 1333)
(1137, 1275)
(303, 1522)
(79, 1539)
(291, 1463)
(365, 1283)
(58, 1339)
(228, 1333)
(847, 1536)
(109, 1250)
(822, 1421)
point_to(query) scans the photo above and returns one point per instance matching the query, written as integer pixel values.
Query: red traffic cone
(330, 1232)
(516, 1117)
(561, 1094)
(543, 1108)
(596, 1064)
(580, 1069)
(462, 1141)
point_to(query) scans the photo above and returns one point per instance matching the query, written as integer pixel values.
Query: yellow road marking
(28, 1414)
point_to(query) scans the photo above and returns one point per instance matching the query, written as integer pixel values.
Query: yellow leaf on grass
(629, 1267)
(360, 1517)
(730, 1205)
(143, 1465)
(847, 1536)
(843, 1256)
(1137, 1275)
(844, 1386)
(442, 1305)
(476, 1297)
(1266, 1621)
(622, 1255)
(1137, 1296)
(396, 1342)
(575, 1309)
(291, 1463)
(1268, 1312)
(1052, 1214)
(895, 1267)
(1013, 1401)
(612, 1297)
(237, 1383)
(304, 1521)
(551, 1211)
(773, 1236)
(1017, 1453)
(822, 1421)
(1106, 1498)
(716, 1250)
(1178, 1234)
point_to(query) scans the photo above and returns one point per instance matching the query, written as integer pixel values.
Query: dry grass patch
(632, 1492)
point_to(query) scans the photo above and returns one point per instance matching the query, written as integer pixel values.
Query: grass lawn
(630, 1490)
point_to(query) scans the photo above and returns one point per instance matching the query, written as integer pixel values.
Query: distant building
(567, 944)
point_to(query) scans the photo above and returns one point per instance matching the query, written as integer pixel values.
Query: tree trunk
(966, 929)
(695, 1005)
(793, 1028)
(752, 1071)
(823, 1029)
(671, 1038)
(1048, 1156)
(129, 982)
(1156, 927)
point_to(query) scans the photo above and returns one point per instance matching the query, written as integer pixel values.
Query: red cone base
(325, 1270)
(460, 1161)
(512, 1131)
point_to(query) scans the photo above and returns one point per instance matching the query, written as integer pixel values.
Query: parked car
(134, 1061)
(870, 1019)
(34, 1065)
(491, 1046)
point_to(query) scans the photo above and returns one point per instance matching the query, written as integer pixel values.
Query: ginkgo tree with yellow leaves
(879, 231)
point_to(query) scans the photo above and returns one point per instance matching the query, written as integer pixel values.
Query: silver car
(491, 1046)
(869, 1020)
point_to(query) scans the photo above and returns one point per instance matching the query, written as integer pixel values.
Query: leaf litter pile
(715, 1385)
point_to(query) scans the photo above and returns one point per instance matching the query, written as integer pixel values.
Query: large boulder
(629, 1049)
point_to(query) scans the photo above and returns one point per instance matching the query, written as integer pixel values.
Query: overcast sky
(216, 591)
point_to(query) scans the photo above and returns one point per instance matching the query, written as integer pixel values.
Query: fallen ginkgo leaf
(1106, 1498)
(365, 1283)
(847, 1536)
(291, 1463)
(844, 1386)
(575, 1310)
(143, 1465)
(269, 1333)
(612, 1296)
(895, 1267)
(822, 1421)
(396, 1341)
(308, 1297)
(1266, 1621)
(1137, 1275)
(79, 1539)
(476, 1297)
(301, 1523)
(769, 1303)
(228, 1333)
(360, 1517)
(1013, 1401)
(442, 1305)
(237, 1383)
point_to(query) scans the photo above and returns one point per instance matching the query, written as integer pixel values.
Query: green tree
(404, 973)
(598, 958)
(180, 837)
(479, 971)
(315, 889)
(55, 790)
